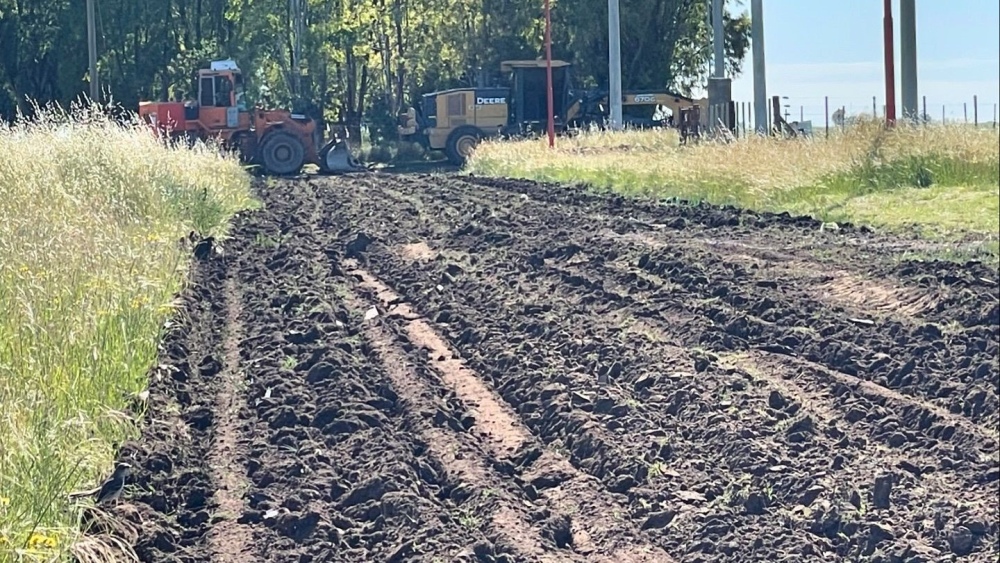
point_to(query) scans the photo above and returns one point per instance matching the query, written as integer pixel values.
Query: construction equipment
(456, 120)
(640, 109)
(279, 141)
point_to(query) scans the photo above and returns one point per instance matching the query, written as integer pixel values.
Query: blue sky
(817, 48)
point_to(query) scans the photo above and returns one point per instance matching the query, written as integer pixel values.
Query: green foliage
(361, 60)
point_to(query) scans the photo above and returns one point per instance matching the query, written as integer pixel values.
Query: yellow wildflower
(138, 301)
(39, 540)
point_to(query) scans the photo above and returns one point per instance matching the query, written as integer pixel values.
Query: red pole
(890, 71)
(548, 71)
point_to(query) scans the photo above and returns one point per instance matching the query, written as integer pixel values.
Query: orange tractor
(280, 141)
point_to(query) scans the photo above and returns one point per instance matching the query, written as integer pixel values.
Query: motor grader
(279, 141)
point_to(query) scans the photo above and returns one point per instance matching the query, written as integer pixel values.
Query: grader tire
(461, 142)
(282, 154)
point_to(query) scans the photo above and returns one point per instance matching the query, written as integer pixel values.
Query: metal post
(942, 114)
(802, 115)
(95, 87)
(759, 82)
(908, 57)
(965, 110)
(826, 113)
(975, 110)
(614, 65)
(925, 117)
(548, 75)
(890, 71)
(874, 107)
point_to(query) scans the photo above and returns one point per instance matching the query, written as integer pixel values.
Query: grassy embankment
(91, 215)
(942, 180)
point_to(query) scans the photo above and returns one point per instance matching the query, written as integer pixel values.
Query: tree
(361, 60)
(664, 43)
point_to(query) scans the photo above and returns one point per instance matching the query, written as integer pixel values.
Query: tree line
(359, 59)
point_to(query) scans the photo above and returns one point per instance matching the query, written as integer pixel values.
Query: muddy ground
(436, 368)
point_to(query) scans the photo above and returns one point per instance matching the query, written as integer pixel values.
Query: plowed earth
(436, 368)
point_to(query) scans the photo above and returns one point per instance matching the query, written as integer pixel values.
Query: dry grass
(865, 174)
(91, 215)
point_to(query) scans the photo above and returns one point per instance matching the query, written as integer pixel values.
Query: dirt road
(435, 368)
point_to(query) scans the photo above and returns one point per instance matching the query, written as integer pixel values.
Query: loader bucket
(335, 158)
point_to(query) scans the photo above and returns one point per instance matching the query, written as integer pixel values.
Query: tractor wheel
(461, 142)
(282, 154)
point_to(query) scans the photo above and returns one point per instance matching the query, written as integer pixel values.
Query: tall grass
(866, 173)
(91, 217)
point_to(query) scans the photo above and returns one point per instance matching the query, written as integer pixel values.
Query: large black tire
(282, 154)
(461, 142)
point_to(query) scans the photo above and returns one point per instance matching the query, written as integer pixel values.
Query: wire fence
(822, 115)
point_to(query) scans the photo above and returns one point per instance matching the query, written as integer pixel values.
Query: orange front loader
(280, 141)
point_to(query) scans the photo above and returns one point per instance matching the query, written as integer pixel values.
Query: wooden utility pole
(548, 75)
(890, 71)
(95, 87)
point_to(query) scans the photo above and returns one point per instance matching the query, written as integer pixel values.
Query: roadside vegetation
(944, 181)
(92, 214)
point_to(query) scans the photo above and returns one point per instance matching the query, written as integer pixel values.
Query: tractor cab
(221, 96)
(529, 93)
(222, 86)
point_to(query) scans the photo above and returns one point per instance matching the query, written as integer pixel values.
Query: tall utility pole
(759, 84)
(718, 39)
(548, 76)
(720, 88)
(298, 16)
(615, 65)
(890, 71)
(908, 58)
(95, 87)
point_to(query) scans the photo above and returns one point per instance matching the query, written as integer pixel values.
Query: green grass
(91, 215)
(942, 180)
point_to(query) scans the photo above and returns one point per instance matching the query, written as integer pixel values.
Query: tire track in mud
(485, 243)
(833, 286)
(547, 476)
(505, 520)
(338, 474)
(171, 494)
(595, 439)
(972, 397)
(815, 401)
(229, 542)
(744, 328)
